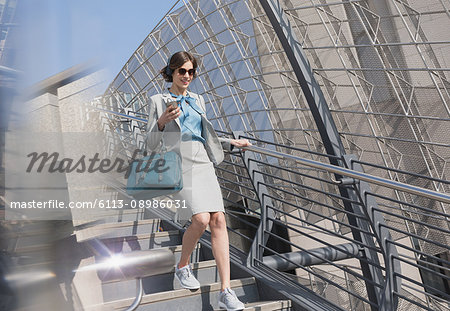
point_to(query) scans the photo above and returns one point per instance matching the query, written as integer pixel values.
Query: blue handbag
(155, 175)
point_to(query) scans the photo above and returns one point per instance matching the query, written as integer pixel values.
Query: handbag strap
(162, 153)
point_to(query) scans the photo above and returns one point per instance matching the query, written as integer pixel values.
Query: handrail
(439, 196)
(122, 115)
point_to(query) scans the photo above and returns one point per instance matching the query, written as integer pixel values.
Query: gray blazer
(171, 135)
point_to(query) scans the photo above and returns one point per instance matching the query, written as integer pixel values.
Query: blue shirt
(190, 118)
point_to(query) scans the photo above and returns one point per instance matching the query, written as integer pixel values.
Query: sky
(58, 34)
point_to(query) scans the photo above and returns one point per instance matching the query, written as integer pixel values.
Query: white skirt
(201, 191)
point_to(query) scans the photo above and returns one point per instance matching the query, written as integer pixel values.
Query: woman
(200, 148)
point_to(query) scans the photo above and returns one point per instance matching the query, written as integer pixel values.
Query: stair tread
(177, 248)
(33, 248)
(113, 216)
(123, 224)
(99, 230)
(144, 236)
(195, 265)
(177, 293)
(266, 305)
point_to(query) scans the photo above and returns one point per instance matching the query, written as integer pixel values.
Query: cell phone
(172, 103)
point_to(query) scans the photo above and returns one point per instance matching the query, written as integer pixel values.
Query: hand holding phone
(174, 104)
(171, 113)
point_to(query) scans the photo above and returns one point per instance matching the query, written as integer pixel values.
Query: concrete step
(278, 305)
(100, 250)
(34, 252)
(38, 227)
(205, 298)
(120, 215)
(143, 241)
(35, 238)
(30, 242)
(119, 229)
(205, 271)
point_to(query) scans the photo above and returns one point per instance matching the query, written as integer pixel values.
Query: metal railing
(393, 244)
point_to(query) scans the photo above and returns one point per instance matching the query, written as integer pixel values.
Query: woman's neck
(177, 91)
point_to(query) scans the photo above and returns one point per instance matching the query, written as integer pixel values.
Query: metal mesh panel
(386, 84)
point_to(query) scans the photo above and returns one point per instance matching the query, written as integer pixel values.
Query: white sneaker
(186, 277)
(229, 300)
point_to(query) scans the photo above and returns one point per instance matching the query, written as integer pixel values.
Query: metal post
(265, 223)
(362, 191)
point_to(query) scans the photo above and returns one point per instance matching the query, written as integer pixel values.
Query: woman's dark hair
(176, 61)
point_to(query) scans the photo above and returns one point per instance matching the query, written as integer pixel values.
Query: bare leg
(220, 247)
(198, 225)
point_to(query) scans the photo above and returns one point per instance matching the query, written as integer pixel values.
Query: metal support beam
(305, 76)
(316, 256)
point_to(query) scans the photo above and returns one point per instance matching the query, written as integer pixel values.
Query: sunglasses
(182, 71)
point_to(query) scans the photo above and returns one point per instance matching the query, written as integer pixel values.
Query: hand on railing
(241, 143)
